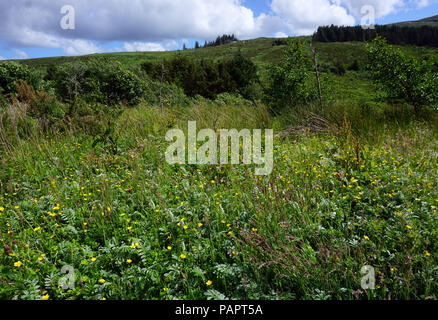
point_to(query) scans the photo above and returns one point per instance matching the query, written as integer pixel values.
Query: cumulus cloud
(303, 17)
(20, 54)
(140, 23)
(280, 35)
(143, 46)
(79, 47)
(423, 3)
(382, 7)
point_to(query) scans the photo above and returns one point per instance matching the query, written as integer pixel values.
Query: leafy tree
(402, 77)
(288, 81)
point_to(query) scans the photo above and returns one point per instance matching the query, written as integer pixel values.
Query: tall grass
(349, 189)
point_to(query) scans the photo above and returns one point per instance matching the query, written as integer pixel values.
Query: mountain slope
(430, 21)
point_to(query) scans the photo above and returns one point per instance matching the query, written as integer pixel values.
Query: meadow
(354, 184)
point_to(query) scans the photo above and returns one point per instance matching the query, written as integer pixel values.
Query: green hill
(262, 51)
(431, 21)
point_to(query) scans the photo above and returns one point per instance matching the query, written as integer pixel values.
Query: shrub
(205, 77)
(11, 73)
(41, 106)
(338, 68)
(99, 81)
(354, 66)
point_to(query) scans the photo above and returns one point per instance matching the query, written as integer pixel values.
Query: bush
(205, 77)
(41, 106)
(354, 66)
(11, 73)
(338, 68)
(100, 81)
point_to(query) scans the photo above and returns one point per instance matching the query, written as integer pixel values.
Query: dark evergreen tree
(394, 34)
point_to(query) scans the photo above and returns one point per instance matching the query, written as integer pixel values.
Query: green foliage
(338, 68)
(402, 77)
(11, 73)
(288, 81)
(99, 81)
(205, 77)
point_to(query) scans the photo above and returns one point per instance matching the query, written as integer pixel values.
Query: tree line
(220, 40)
(394, 34)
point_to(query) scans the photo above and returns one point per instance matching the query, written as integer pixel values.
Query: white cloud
(141, 23)
(382, 7)
(79, 47)
(143, 46)
(304, 17)
(423, 3)
(280, 35)
(20, 54)
(2, 58)
(140, 20)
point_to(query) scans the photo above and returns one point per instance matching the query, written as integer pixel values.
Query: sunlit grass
(133, 227)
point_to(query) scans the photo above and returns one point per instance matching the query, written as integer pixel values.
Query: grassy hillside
(261, 51)
(430, 21)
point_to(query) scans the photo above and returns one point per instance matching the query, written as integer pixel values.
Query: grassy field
(353, 186)
(262, 51)
(134, 227)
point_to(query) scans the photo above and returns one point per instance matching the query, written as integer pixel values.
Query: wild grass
(354, 193)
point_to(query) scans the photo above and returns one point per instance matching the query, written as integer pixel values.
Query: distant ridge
(431, 21)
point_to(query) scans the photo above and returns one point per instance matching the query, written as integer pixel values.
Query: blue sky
(31, 28)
